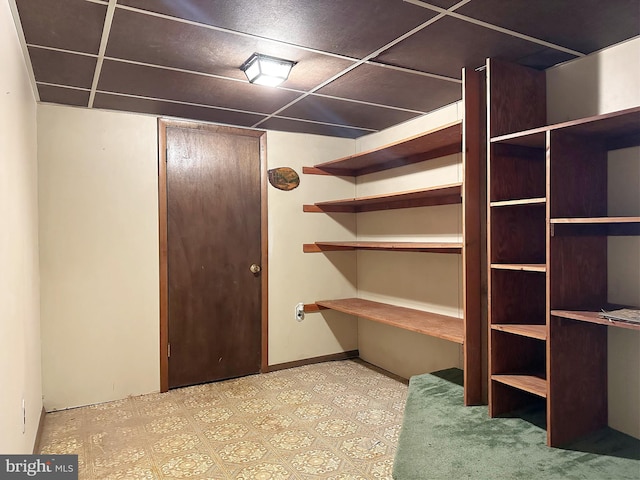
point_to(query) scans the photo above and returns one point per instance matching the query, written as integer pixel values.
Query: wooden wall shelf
(442, 195)
(429, 247)
(592, 317)
(433, 144)
(522, 267)
(426, 323)
(596, 220)
(532, 331)
(529, 383)
(519, 202)
(617, 129)
(596, 226)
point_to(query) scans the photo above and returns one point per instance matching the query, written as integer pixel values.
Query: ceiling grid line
(491, 26)
(57, 85)
(415, 72)
(362, 102)
(111, 8)
(62, 50)
(213, 107)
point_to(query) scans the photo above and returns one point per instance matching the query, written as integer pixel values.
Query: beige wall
(20, 376)
(98, 255)
(306, 277)
(603, 82)
(624, 288)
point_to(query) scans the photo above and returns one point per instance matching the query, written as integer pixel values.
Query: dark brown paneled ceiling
(363, 65)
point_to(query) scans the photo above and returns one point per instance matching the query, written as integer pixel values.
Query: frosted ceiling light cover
(266, 70)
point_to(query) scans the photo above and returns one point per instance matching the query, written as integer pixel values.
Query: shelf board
(426, 323)
(436, 143)
(529, 383)
(442, 195)
(593, 317)
(532, 331)
(433, 247)
(597, 220)
(525, 267)
(607, 226)
(522, 201)
(619, 129)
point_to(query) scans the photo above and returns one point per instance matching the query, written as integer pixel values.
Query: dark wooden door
(213, 237)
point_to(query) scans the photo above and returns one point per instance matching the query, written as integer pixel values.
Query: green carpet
(443, 439)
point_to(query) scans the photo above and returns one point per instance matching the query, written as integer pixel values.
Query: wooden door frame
(163, 124)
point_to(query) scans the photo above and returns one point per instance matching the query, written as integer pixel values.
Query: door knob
(255, 268)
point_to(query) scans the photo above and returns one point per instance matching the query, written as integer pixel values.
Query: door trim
(163, 124)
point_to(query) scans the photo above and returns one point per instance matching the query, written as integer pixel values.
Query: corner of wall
(20, 364)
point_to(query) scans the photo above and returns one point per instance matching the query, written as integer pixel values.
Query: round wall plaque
(283, 178)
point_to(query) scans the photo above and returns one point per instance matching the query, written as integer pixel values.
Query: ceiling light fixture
(265, 70)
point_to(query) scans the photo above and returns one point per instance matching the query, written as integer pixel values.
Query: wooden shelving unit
(547, 237)
(436, 143)
(429, 247)
(442, 195)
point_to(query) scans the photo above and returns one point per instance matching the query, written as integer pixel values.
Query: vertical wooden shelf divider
(473, 160)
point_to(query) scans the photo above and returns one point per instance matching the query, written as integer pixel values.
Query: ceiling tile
(375, 84)
(340, 112)
(448, 45)
(350, 27)
(158, 83)
(155, 107)
(582, 25)
(65, 96)
(62, 68)
(65, 24)
(159, 41)
(286, 125)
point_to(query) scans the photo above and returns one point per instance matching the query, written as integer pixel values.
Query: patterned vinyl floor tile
(327, 421)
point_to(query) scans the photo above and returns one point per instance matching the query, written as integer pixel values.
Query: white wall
(19, 278)
(603, 82)
(306, 277)
(98, 255)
